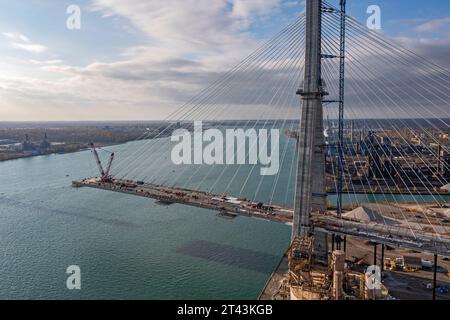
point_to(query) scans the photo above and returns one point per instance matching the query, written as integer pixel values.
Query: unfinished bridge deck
(396, 236)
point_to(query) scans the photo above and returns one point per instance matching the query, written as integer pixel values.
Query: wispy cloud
(434, 25)
(22, 42)
(430, 39)
(36, 48)
(16, 36)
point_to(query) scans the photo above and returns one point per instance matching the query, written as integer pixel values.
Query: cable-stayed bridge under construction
(363, 120)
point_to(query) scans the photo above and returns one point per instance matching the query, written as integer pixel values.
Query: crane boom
(97, 159)
(108, 167)
(104, 174)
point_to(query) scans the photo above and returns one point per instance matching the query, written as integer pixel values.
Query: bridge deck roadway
(396, 236)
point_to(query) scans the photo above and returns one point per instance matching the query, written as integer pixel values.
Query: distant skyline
(141, 59)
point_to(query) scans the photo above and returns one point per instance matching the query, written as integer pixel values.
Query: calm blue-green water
(130, 247)
(127, 247)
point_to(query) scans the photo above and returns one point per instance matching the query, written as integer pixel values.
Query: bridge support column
(310, 193)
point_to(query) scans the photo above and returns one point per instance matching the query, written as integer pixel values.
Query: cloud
(36, 48)
(248, 8)
(188, 25)
(22, 42)
(290, 4)
(434, 25)
(16, 36)
(46, 62)
(54, 61)
(433, 43)
(432, 49)
(430, 38)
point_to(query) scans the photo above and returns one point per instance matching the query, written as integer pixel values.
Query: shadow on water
(229, 255)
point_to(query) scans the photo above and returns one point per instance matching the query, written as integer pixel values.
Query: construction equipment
(410, 269)
(399, 263)
(104, 174)
(427, 264)
(389, 264)
(395, 264)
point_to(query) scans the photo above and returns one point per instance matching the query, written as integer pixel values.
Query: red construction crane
(104, 174)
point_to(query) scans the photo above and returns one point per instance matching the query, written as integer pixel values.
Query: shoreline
(41, 154)
(84, 148)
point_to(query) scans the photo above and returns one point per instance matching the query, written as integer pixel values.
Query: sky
(142, 59)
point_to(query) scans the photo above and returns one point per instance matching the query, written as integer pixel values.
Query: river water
(127, 247)
(130, 247)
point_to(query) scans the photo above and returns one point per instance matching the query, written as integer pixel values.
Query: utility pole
(434, 275)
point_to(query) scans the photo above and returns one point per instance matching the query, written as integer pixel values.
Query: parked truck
(427, 264)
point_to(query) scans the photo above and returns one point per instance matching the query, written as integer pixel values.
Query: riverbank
(21, 155)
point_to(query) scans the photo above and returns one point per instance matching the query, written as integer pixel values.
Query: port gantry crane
(104, 174)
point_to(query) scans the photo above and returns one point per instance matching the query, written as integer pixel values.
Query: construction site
(358, 251)
(308, 273)
(403, 275)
